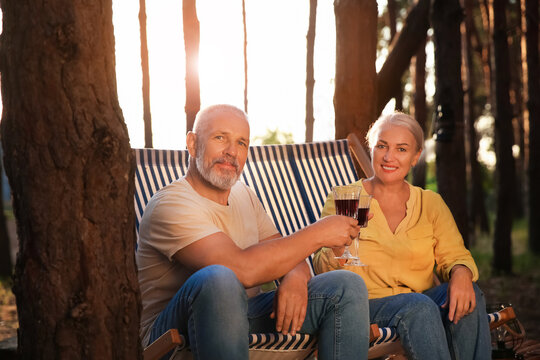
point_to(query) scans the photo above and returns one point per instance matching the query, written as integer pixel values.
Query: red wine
(362, 216)
(346, 207)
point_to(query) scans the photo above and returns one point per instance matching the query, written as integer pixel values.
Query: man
(206, 244)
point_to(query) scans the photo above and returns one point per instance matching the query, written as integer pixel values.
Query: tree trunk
(147, 115)
(191, 45)
(244, 22)
(505, 170)
(71, 172)
(404, 47)
(310, 78)
(449, 129)
(355, 88)
(516, 101)
(533, 104)
(477, 209)
(420, 109)
(6, 266)
(392, 21)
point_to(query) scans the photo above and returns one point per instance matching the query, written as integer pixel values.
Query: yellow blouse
(403, 261)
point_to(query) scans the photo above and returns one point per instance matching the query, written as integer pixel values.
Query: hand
(335, 230)
(290, 303)
(461, 299)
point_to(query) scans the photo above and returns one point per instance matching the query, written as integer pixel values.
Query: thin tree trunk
(516, 100)
(310, 78)
(70, 166)
(487, 56)
(355, 88)
(245, 56)
(420, 109)
(392, 20)
(449, 128)
(147, 114)
(477, 209)
(191, 45)
(533, 104)
(505, 170)
(404, 47)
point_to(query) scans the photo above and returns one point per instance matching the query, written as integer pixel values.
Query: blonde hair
(398, 119)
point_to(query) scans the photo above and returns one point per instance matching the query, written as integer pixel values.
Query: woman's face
(394, 153)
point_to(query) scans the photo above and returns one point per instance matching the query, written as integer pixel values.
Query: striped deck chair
(292, 182)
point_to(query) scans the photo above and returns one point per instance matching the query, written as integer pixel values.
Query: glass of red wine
(364, 201)
(346, 202)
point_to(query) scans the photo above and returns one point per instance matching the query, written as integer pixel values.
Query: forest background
(468, 71)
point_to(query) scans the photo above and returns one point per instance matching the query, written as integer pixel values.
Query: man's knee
(217, 281)
(345, 284)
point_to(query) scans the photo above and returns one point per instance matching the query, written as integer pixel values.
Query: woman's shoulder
(426, 195)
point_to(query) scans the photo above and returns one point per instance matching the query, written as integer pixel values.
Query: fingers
(290, 318)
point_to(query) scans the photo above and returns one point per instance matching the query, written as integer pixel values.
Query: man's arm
(270, 259)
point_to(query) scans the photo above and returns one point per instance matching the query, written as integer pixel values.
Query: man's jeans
(212, 310)
(424, 328)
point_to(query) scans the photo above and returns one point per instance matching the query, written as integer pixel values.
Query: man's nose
(231, 149)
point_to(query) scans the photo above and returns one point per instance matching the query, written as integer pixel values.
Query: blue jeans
(424, 328)
(214, 313)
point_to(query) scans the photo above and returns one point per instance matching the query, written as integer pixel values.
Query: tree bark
(147, 114)
(505, 170)
(404, 47)
(449, 128)
(355, 88)
(392, 21)
(477, 209)
(71, 172)
(191, 45)
(420, 109)
(310, 78)
(533, 105)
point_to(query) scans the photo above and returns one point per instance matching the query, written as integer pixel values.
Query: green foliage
(524, 262)
(274, 137)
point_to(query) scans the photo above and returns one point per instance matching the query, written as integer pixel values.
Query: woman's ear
(416, 157)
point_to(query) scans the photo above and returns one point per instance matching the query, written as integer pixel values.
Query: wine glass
(346, 202)
(364, 201)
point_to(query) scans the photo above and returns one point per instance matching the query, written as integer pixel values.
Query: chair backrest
(292, 181)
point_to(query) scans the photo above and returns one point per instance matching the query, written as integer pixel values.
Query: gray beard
(220, 182)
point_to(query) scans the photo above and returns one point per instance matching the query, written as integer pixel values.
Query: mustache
(226, 159)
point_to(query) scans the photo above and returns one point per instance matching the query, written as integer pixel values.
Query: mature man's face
(222, 150)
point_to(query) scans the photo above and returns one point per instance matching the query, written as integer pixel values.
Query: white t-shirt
(177, 216)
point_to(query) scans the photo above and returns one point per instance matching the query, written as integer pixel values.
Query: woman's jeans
(213, 312)
(425, 331)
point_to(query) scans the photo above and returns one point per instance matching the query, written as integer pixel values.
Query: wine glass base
(355, 263)
(344, 257)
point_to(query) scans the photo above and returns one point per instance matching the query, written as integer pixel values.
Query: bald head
(205, 116)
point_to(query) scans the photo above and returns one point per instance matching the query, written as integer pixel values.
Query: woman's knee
(420, 307)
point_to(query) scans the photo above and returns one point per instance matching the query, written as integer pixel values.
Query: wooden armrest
(162, 345)
(506, 314)
(374, 332)
(360, 154)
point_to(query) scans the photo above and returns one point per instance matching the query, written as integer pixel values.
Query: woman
(411, 233)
